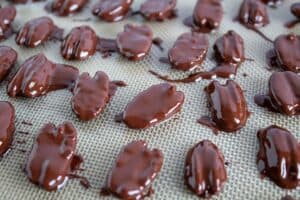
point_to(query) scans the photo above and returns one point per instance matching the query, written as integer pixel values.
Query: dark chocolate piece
(287, 52)
(8, 58)
(67, 7)
(205, 172)
(208, 15)
(7, 16)
(189, 51)
(51, 157)
(272, 3)
(37, 31)
(91, 95)
(228, 107)
(284, 94)
(295, 9)
(79, 44)
(135, 42)
(230, 48)
(156, 104)
(158, 10)
(134, 171)
(112, 10)
(38, 76)
(278, 157)
(7, 126)
(253, 14)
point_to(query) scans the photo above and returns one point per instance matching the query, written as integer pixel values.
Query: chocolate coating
(189, 51)
(49, 162)
(287, 49)
(284, 94)
(158, 10)
(253, 14)
(227, 105)
(157, 103)
(91, 95)
(79, 44)
(7, 125)
(135, 170)
(230, 48)
(38, 76)
(67, 7)
(135, 42)
(7, 16)
(35, 32)
(295, 9)
(205, 172)
(112, 10)
(208, 15)
(8, 58)
(279, 156)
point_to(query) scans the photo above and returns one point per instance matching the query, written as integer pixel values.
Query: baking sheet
(100, 140)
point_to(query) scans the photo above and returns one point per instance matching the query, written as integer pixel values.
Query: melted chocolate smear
(119, 83)
(119, 118)
(158, 42)
(189, 22)
(206, 121)
(23, 132)
(57, 34)
(27, 123)
(77, 160)
(82, 20)
(261, 34)
(222, 71)
(105, 191)
(287, 197)
(164, 60)
(292, 24)
(82, 180)
(21, 141)
(107, 46)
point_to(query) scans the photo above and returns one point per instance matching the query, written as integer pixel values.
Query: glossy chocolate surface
(189, 51)
(208, 15)
(230, 48)
(284, 94)
(278, 157)
(49, 162)
(135, 41)
(156, 104)
(79, 44)
(38, 76)
(36, 32)
(287, 50)
(67, 7)
(112, 10)
(228, 107)
(205, 172)
(295, 9)
(91, 94)
(7, 125)
(134, 171)
(7, 16)
(158, 10)
(8, 57)
(253, 13)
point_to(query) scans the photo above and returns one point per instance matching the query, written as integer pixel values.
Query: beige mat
(99, 141)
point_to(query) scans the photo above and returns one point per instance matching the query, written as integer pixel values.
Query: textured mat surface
(99, 141)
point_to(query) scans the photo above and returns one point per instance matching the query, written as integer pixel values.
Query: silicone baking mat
(100, 140)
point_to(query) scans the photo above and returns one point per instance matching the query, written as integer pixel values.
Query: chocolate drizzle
(7, 16)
